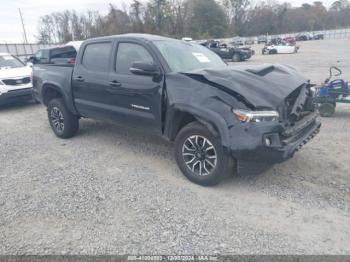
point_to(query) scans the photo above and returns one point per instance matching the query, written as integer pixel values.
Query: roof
(147, 37)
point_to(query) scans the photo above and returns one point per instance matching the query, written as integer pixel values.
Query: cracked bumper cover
(248, 145)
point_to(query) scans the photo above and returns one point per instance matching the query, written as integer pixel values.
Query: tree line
(199, 19)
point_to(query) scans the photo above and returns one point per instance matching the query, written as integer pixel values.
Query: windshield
(9, 61)
(183, 56)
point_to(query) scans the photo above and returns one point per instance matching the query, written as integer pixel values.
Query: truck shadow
(17, 105)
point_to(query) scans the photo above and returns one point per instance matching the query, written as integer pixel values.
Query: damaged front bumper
(257, 146)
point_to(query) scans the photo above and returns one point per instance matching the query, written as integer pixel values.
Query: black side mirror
(146, 69)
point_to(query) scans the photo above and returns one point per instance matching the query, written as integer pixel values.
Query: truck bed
(59, 75)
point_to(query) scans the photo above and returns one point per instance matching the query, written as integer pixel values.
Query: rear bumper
(252, 152)
(16, 95)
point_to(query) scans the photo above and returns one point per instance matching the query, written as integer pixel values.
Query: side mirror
(146, 69)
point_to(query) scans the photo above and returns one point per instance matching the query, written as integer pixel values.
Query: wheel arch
(182, 115)
(53, 90)
(50, 91)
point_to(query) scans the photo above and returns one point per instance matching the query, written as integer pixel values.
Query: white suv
(15, 79)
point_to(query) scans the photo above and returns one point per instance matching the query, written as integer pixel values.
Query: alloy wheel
(57, 119)
(199, 155)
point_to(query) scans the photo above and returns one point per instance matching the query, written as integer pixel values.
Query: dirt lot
(113, 190)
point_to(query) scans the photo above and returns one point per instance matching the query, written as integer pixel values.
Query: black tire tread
(225, 162)
(71, 121)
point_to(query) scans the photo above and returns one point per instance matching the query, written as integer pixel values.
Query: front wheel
(200, 155)
(236, 58)
(62, 121)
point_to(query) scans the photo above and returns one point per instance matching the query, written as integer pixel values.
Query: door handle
(115, 83)
(79, 79)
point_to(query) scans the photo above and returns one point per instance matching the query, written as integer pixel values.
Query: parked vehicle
(218, 116)
(237, 41)
(249, 42)
(262, 39)
(15, 83)
(282, 48)
(304, 37)
(290, 40)
(334, 90)
(226, 52)
(57, 55)
(187, 39)
(318, 37)
(75, 44)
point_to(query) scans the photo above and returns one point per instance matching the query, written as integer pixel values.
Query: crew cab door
(139, 96)
(90, 81)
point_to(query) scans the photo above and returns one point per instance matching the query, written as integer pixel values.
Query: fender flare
(56, 86)
(209, 118)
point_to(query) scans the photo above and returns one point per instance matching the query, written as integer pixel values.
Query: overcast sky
(10, 25)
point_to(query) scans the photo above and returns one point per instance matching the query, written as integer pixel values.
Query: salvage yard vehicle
(15, 83)
(56, 55)
(226, 52)
(332, 92)
(281, 48)
(218, 117)
(262, 39)
(304, 37)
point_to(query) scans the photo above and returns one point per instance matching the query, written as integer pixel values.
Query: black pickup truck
(219, 117)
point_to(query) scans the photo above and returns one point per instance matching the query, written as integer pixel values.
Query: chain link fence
(23, 51)
(328, 34)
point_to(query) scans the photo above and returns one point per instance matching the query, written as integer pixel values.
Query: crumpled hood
(264, 85)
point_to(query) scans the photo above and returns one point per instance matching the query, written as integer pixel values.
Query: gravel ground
(117, 191)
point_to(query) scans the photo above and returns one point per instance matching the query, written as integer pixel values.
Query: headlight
(255, 116)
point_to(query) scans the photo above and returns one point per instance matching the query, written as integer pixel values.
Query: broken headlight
(255, 116)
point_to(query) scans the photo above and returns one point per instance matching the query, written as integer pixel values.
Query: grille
(17, 81)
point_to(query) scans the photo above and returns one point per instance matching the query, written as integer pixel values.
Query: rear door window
(96, 56)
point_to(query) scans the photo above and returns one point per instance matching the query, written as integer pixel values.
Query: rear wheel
(200, 155)
(62, 121)
(326, 109)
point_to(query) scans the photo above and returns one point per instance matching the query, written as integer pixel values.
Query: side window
(41, 57)
(63, 52)
(128, 54)
(38, 54)
(96, 56)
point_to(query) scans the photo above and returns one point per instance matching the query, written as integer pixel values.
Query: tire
(236, 58)
(273, 52)
(201, 167)
(63, 123)
(326, 109)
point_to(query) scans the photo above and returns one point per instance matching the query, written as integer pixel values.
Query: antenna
(24, 30)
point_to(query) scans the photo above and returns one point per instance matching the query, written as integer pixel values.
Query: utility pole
(24, 30)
